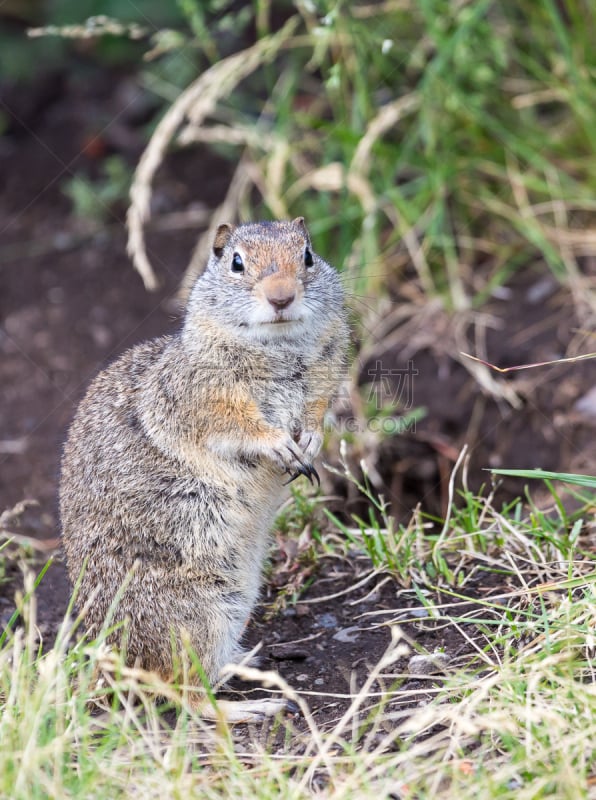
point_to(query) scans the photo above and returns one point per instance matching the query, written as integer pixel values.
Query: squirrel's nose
(280, 298)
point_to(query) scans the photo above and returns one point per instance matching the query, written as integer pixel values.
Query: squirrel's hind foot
(237, 711)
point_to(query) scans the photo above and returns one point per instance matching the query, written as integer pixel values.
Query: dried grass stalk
(228, 210)
(195, 103)
(387, 118)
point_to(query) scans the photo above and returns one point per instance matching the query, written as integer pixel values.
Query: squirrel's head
(264, 281)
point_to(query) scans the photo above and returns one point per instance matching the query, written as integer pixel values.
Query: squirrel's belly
(227, 515)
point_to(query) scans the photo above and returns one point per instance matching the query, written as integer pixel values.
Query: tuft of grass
(431, 155)
(475, 537)
(397, 549)
(465, 149)
(512, 714)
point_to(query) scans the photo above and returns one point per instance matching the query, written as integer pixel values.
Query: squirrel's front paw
(289, 456)
(310, 442)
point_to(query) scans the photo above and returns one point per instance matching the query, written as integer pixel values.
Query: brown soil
(70, 302)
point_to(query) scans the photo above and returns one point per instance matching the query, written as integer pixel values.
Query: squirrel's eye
(308, 261)
(237, 263)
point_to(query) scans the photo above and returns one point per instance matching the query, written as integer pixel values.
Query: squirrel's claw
(308, 471)
(299, 471)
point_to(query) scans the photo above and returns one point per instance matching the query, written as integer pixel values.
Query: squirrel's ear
(299, 222)
(222, 237)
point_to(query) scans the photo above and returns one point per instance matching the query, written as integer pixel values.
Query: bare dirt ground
(70, 302)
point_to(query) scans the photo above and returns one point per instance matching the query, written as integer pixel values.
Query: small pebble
(539, 291)
(432, 664)
(418, 612)
(288, 652)
(326, 620)
(587, 403)
(348, 634)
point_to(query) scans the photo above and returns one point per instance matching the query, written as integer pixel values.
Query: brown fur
(177, 457)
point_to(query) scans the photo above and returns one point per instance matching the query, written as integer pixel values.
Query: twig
(569, 360)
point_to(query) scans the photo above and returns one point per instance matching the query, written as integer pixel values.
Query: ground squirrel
(177, 458)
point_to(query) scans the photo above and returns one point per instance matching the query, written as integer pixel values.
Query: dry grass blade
(240, 185)
(387, 117)
(333, 178)
(396, 650)
(195, 103)
(515, 708)
(571, 360)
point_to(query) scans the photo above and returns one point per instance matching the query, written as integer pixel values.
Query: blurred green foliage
(95, 200)
(496, 153)
(462, 135)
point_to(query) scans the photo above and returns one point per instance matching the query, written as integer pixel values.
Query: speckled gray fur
(176, 461)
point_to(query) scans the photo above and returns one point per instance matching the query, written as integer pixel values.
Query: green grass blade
(587, 481)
